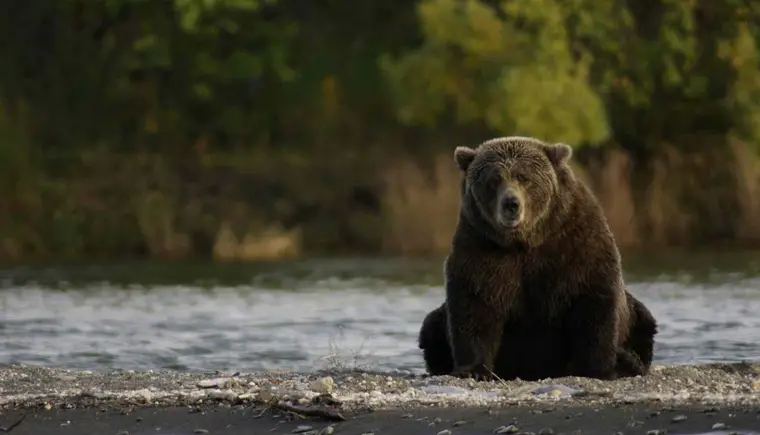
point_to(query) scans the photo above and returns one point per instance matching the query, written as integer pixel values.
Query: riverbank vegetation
(250, 129)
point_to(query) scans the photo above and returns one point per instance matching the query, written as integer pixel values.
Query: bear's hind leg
(434, 342)
(641, 336)
(635, 357)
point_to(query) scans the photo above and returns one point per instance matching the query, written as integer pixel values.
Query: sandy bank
(346, 398)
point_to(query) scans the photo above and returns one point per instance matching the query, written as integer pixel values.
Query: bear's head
(511, 185)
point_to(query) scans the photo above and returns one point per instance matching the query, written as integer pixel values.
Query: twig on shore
(13, 426)
(263, 411)
(321, 411)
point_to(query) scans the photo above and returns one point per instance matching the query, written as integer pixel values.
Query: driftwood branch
(321, 411)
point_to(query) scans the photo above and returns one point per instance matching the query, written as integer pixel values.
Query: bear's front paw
(479, 372)
(587, 371)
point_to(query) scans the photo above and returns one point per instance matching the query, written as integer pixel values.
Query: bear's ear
(464, 156)
(558, 153)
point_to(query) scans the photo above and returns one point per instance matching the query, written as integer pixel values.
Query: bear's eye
(521, 178)
(494, 182)
(490, 178)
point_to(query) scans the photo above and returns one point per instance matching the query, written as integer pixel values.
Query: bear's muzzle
(509, 211)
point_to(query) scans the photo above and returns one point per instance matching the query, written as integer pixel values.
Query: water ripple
(313, 322)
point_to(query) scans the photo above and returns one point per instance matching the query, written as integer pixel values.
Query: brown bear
(534, 286)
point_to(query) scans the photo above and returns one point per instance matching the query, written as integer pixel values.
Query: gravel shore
(680, 396)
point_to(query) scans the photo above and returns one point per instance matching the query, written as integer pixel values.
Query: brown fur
(544, 298)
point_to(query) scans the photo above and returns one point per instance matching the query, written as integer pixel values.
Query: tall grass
(421, 206)
(678, 203)
(268, 243)
(103, 206)
(106, 206)
(747, 173)
(610, 180)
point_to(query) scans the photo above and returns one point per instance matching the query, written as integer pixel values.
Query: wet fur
(545, 300)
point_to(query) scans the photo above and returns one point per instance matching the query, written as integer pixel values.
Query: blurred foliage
(517, 73)
(286, 111)
(584, 72)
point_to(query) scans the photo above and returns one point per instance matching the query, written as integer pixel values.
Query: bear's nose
(510, 204)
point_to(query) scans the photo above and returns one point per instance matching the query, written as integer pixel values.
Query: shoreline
(641, 419)
(354, 401)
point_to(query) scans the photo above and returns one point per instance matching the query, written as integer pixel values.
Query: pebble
(322, 385)
(123, 432)
(756, 384)
(718, 426)
(556, 390)
(302, 429)
(679, 418)
(657, 432)
(444, 432)
(222, 395)
(268, 395)
(459, 423)
(145, 394)
(506, 429)
(546, 431)
(327, 430)
(200, 431)
(214, 383)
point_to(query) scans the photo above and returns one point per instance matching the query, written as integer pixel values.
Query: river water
(324, 313)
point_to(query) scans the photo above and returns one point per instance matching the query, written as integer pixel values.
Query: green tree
(512, 66)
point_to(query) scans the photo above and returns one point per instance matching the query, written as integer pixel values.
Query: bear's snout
(510, 209)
